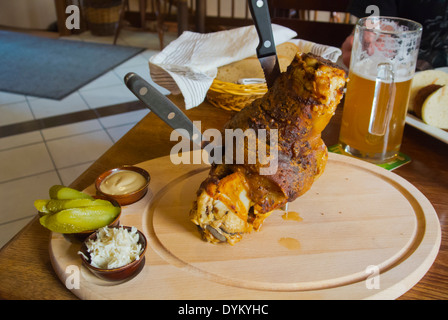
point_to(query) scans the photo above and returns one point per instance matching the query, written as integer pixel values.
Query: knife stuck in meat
(266, 51)
(163, 107)
(169, 113)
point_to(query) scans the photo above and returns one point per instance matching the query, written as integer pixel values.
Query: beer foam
(384, 41)
(368, 69)
(385, 26)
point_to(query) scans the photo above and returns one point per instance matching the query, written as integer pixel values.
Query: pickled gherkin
(72, 211)
(41, 206)
(64, 193)
(75, 220)
(55, 205)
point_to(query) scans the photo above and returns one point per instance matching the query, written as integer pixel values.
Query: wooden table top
(25, 267)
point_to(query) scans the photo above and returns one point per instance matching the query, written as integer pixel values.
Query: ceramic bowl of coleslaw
(114, 253)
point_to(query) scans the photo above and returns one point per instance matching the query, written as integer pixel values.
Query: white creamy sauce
(122, 182)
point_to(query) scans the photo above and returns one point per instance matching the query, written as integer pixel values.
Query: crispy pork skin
(235, 198)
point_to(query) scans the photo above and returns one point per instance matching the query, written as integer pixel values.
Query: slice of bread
(421, 97)
(423, 79)
(287, 50)
(251, 67)
(435, 108)
(246, 68)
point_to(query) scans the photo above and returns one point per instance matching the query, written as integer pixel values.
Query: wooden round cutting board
(360, 232)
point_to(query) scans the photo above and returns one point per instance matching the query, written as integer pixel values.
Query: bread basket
(234, 97)
(227, 94)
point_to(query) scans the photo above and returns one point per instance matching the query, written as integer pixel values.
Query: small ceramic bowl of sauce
(126, 184)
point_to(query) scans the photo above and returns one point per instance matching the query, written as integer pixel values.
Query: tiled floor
(32, 161)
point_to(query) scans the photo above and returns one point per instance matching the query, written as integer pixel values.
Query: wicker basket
(234, 97)
(102, 16)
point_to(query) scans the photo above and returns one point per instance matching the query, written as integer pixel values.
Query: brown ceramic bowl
(128, 198)
(84, 234)
(117, 274)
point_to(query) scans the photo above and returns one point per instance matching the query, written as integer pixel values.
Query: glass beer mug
(382, 65)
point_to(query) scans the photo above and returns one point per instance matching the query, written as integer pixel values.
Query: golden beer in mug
(382, 65)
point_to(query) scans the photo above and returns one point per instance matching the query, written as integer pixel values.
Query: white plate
(437, 133)
(432, 131)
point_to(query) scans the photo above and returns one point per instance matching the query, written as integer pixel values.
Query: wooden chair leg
(160, 24)
(169, 7)
(120, 21)
(182, 16)
(200, 15)
(142, 6)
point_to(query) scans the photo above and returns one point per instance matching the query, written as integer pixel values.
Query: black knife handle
(262, 19)
(163, 107)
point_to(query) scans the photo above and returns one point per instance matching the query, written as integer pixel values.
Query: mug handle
(383, 99)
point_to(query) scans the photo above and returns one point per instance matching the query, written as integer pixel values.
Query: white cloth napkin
(189, 64)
